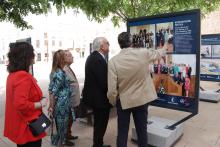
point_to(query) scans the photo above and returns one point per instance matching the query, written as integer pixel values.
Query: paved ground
(203, 130)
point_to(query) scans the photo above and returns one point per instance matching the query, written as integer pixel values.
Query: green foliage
(121, 10)
(14, 11)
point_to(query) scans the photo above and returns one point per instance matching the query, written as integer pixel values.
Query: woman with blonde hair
(59, 91)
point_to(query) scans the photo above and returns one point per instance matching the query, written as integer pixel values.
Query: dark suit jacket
(95, 85)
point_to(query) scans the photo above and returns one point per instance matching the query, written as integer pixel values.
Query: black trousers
(101, 117)
(70, 123)
(140, 120)
(31, 144)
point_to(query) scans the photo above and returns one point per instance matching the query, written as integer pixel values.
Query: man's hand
(163, 51)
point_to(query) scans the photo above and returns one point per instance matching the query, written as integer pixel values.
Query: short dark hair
(20, 56)
(124, 40)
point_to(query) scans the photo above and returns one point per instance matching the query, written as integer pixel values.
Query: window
(45, 35)
(38, 56)
(38, 43)
(45, 42)
(46, 55)
(60, 43)
(53, 42)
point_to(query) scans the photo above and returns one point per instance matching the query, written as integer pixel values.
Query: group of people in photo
(107, 84)
(143, 39)
(165, 37)
(147, 39)
(180, 73)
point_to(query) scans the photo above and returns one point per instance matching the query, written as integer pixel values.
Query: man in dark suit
(95, 89)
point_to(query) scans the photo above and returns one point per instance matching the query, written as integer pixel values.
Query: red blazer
(22, 92)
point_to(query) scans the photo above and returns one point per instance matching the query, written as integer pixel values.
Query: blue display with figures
(175, 76)
(210, 58)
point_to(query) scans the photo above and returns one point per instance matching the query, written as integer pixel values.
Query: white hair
(97, 42)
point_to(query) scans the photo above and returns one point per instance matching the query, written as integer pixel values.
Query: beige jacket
(74, 85)
(129, 77)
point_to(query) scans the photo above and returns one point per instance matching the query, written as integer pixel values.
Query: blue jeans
(140, 119)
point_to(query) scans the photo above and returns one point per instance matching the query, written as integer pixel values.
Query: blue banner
(212, 39)
(206, 77)
(177, 102)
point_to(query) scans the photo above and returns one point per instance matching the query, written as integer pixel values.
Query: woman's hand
(44, 102)
(50, 110)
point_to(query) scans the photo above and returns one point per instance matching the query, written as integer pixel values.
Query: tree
(14, 11)
(121, 10)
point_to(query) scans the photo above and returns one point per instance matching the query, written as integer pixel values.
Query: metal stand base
(158, 134)
(209, 96)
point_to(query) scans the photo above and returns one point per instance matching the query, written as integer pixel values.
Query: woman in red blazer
(23, 97)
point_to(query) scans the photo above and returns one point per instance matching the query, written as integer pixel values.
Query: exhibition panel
(175, 76)
(210, 58)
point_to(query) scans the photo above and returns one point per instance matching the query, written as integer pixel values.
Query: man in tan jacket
(75, 96)
(130, 87)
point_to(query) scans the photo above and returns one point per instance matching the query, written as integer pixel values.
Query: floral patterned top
(59, 87)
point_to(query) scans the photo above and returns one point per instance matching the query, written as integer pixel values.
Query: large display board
(176, 76)
(210, 58)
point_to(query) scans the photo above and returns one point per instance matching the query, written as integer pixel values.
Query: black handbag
(39, 125)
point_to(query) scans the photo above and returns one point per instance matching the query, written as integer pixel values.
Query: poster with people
(210, 57)
(143, 36)
(175, 76)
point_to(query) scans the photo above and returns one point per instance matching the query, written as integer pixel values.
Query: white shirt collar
(102, 55)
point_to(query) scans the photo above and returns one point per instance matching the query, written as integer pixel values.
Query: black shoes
(102, 146)
(69, 143)
(106, 145)
(72, 137)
